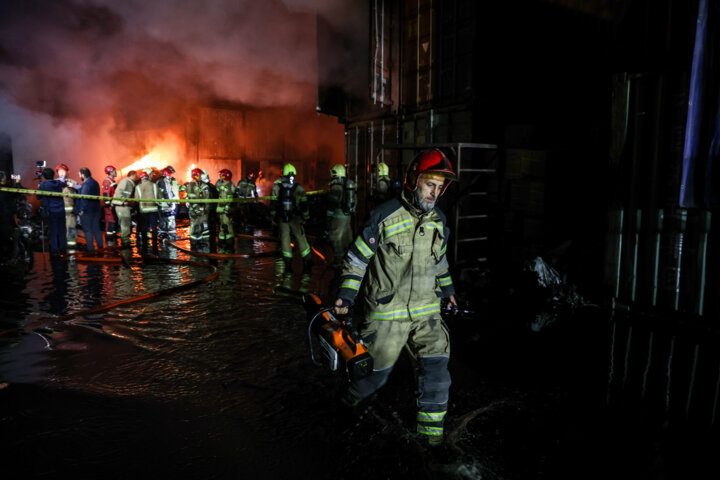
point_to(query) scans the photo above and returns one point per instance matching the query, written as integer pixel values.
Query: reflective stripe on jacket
(147, 189)
(125, 189)
(399, 261)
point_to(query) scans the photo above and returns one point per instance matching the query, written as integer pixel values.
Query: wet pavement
(216, 382)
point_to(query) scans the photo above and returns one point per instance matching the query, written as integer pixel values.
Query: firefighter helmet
(383, 169)
(251, 176)
(226, 174)
(144, 174)
(430, 161)
(338, 170)
(109, 169)
(288, 169)
(196, 173)
(63, 167)
(170, 167)
(167, 172)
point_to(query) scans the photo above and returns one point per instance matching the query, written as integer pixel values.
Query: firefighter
(289, 208)
(62, 171)
(147, 211)
(342, 199)
(198, 212)
(108, 190)
(226, 189)
(399, 259)
(246, 189)
(123, 209)
(170, 189)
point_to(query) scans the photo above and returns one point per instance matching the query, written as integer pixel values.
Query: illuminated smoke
(91, 84)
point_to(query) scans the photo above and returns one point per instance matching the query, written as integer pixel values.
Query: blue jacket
(89, 187)
(52, 204)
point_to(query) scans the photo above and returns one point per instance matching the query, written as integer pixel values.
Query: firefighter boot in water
(287, 262)
(307, 264)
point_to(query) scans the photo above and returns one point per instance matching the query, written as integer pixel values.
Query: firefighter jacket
(169, 188)
(289, 200)
(69, 201)
(125, 189)
(399, 261)
(197, 189)
(246, 189)
(226, 189)
(147, 190)
(108, 190)
(342, 197)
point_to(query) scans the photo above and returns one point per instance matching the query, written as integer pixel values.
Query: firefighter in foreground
(342, 199)
(169, 189)
(226, 234)
(147, 211)
(108, 190)
(289, 208)
(123, 209)
(198, 212)
(400, 254)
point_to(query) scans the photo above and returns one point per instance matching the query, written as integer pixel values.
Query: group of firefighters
(212, 223)
(158, 217)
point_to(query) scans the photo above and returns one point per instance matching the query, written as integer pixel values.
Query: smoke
(77, 76)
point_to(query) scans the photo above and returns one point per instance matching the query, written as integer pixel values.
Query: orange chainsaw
(339, 345)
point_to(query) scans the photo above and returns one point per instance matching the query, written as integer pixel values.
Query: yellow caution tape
(27, 191)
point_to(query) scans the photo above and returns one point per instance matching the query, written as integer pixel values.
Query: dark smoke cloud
(74, 75)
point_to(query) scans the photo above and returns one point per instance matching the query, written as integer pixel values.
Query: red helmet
(144, 174)
(196, 173)
(226, 174)
(62, 166)
(430, 161)
(109, 169)
(167, 172)
(169, 167)
(251, 175)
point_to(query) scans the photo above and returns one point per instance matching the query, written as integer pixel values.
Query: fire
(189, 171)
(152, 160)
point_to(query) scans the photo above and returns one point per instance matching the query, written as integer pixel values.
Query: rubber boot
(307, 264)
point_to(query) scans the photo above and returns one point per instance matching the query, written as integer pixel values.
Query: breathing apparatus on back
(349, 198)
(286, 197)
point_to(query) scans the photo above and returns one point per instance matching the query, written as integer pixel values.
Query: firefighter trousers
(340, 236)
(71, 230)
(125, 220)
(428, 343)
(295, 227)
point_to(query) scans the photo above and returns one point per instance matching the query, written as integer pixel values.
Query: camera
(39, 165)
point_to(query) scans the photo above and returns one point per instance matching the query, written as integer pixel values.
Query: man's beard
(421, 203)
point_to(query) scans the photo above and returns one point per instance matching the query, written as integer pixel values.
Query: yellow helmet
(383, 169)
(338, 170)
(288, 169)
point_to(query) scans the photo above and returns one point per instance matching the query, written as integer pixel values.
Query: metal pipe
(705, 218)
(375, 56)
(656, 262)
(382, 55)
